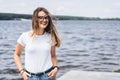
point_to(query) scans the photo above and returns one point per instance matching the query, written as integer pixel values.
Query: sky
(84, 8)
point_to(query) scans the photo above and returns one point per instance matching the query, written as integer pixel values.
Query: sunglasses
(41, 18)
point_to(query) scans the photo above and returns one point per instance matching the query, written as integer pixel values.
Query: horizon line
(62, 15)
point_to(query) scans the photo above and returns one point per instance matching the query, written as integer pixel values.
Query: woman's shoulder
(27, 33)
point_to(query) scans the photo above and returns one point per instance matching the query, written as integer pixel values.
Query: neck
(40, 32)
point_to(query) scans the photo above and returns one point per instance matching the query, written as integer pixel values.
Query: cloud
(60, 8)
(1, 1)
(117, 4)
(74, 8)
(22, 4)
(107, 10)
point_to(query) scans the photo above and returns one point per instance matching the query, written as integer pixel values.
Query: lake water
(86, 45)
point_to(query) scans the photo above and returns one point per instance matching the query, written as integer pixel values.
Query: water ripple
(86, 45)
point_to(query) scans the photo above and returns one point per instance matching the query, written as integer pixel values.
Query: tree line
(12, 16)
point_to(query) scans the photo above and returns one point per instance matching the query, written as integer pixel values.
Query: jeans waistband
(41, 73)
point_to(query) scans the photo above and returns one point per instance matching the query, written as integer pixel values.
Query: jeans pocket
(50, 78)
(29, 78)
(46, 77)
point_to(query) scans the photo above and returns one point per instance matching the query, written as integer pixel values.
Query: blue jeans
(41, 77)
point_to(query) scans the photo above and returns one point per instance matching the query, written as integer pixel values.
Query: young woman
(40, 48)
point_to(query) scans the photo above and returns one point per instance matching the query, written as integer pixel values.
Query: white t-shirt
(37, 51)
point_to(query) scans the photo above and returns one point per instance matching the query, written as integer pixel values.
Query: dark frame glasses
(41, 18)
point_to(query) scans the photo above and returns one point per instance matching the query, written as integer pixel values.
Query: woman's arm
(17, 59)
(53, 73)
(53, 56)
(17, 55)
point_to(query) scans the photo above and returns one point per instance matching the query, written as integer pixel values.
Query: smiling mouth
(44, 23)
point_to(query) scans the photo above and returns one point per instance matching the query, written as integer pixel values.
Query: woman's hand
(25, 75)
(53, 73)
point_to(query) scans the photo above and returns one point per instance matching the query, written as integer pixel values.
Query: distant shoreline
(12, 16)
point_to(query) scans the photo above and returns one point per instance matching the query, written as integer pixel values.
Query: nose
(44, 19)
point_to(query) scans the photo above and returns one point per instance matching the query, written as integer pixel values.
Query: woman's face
(43, 19)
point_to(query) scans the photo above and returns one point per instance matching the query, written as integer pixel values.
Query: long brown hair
(49, 29)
